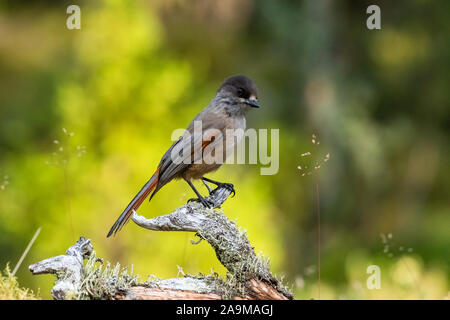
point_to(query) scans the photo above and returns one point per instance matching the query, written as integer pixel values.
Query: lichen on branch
(248, 275)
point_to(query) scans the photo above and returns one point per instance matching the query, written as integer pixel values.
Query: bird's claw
(228, 186)
(206, 203)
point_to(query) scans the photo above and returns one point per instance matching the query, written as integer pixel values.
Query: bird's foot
(205, 202)
(228, 186)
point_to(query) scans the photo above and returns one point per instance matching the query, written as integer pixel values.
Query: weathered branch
(68, 268)
(248, 275)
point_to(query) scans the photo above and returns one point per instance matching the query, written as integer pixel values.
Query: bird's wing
(189, 147)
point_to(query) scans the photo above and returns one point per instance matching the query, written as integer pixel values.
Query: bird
(226, 111)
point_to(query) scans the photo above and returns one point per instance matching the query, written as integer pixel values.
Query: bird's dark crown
(240, 86)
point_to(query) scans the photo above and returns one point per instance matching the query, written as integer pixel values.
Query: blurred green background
(85, 116)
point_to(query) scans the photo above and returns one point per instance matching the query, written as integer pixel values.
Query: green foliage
(377, 101)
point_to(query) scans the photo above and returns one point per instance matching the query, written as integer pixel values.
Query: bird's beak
(252, 103)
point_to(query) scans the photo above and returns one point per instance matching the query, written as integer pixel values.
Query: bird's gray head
(240, 93)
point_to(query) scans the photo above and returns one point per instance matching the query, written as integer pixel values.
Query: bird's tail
(135, 203)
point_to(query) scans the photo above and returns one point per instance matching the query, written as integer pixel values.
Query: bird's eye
(241, 93)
